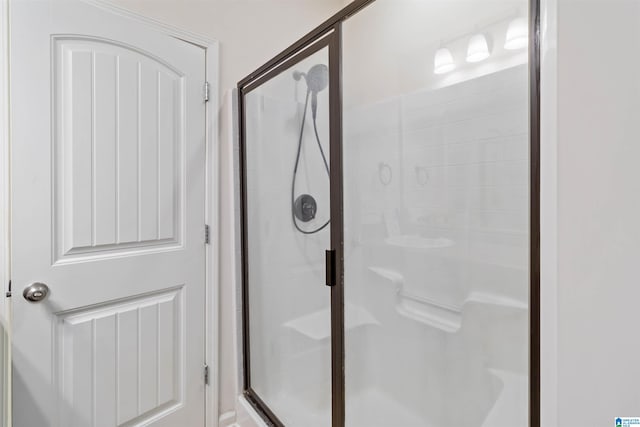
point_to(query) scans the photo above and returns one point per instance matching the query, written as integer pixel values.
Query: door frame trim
(5, 265)
(168, 29)
(212, 73)
(5, 209)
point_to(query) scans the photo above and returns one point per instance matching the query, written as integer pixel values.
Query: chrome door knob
(35, 292)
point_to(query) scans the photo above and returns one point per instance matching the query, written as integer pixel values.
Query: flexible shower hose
(295, 169)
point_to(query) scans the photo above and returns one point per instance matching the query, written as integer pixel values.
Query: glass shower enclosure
(389, 165)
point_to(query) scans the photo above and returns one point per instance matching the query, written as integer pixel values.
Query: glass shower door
(287, 230)
(404, 142)
(436, 214)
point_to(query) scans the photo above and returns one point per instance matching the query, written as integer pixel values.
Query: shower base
(388, 412)
(373, 407)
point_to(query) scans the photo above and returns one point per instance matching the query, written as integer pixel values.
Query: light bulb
(517, 34)
(478, 49)
(443, 61)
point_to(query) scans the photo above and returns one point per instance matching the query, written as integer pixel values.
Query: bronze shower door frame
(329, 35)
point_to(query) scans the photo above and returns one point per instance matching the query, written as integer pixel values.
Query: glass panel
(287, 155)
(436, 213)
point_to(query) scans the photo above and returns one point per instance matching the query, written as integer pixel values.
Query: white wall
(598, 211)
(250, 32)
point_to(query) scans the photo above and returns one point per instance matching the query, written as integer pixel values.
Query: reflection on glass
(436, 216)
(287, 143)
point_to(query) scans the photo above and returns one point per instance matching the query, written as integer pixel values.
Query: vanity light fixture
(478, 49)
(443, 61)
(517, 34)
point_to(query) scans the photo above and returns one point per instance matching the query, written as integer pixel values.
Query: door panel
(118, 144)
(129, 352)
(108, 210)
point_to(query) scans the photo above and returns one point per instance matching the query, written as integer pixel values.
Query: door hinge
(8, 294)
(206, 91)
(206, 374)
(207, 234)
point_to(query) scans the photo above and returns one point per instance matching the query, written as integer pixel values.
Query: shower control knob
(308, 210)
(35, 292)
(305, 208)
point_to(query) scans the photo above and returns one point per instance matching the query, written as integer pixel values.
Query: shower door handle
(330, 266)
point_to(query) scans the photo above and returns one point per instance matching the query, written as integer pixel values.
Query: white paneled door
(108, 179)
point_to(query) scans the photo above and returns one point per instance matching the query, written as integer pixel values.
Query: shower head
(317, 77)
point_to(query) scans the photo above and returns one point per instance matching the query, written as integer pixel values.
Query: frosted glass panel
(288, 232)
(436, 214)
